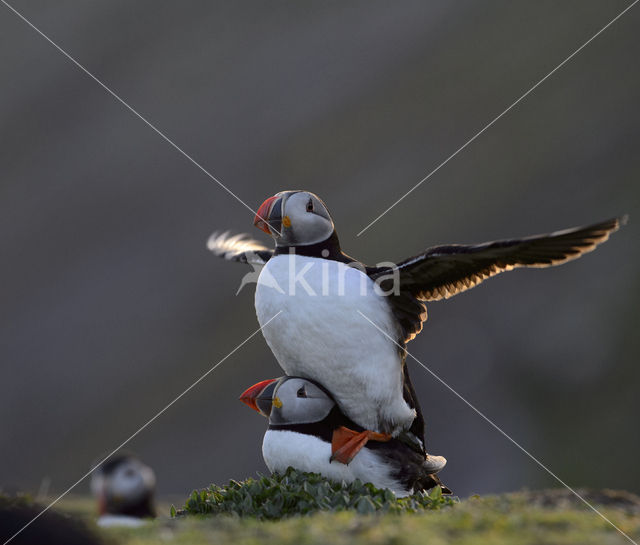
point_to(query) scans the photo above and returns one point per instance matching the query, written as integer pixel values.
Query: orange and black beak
(269, 216)
(260, 396)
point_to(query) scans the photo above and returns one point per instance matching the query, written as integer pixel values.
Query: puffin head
(124, 485)
(295, 218)
(289, 400)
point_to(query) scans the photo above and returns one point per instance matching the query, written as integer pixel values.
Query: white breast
(321, 335)
(283, 449)
(122, 521)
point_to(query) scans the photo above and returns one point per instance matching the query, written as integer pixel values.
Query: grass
(546, 517)
(509, 519)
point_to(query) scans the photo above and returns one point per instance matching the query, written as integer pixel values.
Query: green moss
(298, 493)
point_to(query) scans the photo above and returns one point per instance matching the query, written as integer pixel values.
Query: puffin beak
(262, 218)
(250, 395)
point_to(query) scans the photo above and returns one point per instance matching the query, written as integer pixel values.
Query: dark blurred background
(111, 304)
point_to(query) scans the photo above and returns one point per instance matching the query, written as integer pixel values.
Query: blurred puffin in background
(124, 488)
(346, 325)
(304, 420)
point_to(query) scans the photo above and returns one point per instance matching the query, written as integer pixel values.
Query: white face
(301, 217)
(128, 483)
(298, 401)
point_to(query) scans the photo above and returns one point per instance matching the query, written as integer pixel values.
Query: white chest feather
(283, 449)
(320, 334)
(120, 521)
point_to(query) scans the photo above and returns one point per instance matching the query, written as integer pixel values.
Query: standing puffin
(124, 487)
(303, 423)
(325, 298)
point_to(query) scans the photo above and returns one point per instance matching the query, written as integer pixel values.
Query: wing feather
(444, 271)
(240, 248)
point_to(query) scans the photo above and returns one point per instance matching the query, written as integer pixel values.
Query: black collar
(324, 428)
(336, 418)
(327, 249)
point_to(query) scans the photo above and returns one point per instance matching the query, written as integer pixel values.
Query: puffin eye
(302, 392)
(310, 205)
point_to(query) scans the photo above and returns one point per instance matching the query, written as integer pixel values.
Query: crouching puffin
(307, 429)
(124, 488)
(326, 301)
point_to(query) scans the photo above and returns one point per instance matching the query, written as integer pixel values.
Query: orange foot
(346, 443)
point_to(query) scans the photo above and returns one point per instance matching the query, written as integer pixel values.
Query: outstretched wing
(239, 248)
(445, 271)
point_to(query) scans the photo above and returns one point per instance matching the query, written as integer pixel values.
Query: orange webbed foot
(346, 443)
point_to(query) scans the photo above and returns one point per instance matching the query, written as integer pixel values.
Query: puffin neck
(327, 249)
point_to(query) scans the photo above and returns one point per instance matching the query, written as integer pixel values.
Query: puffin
(345, 325)
(303, 421)
(124, 488)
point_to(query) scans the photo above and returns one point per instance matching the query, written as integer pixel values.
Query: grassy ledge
(545, 517)
(551, 517)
